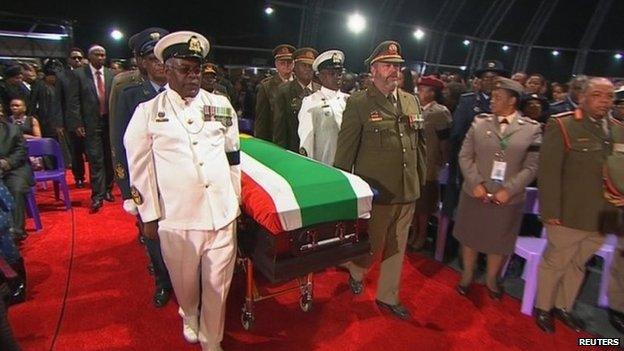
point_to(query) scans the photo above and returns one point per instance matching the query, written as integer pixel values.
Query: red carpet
(106, 303)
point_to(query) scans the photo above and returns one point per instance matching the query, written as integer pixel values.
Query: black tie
(392, 99)
(161, 89)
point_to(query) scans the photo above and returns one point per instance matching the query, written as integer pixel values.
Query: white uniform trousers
(205, 257)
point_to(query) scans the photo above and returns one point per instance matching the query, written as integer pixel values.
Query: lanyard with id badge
(499, 167)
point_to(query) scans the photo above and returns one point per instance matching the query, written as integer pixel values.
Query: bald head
(596, 98)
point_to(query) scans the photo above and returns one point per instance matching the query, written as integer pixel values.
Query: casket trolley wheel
(306, 302)
(247, 319)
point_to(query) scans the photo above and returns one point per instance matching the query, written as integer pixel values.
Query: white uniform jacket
(183, 158)
(320, 118)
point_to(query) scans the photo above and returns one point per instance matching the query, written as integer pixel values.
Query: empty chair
(50, 147)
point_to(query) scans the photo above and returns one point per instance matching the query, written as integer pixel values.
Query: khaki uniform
(383, 144)
(485, 144)
(437, 131)
(265, 101)
(572, 157)
(616, 283)
(288, 101)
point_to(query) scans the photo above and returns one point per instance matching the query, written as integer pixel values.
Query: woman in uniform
(498, 159)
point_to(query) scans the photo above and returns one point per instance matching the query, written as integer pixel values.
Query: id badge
(498, 171)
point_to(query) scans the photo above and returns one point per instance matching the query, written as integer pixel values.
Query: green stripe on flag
(323, 193)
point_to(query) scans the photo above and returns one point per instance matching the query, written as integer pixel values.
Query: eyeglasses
(76, 57)
(187, 70)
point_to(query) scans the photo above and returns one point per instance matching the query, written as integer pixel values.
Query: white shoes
(190, 327)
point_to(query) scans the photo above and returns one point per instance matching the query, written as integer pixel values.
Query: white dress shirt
(95, 78)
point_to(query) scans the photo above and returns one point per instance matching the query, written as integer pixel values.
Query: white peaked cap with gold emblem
(333, 59)
(184, 44)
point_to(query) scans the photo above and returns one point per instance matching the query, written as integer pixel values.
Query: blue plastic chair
(32, 211)
(50, 147)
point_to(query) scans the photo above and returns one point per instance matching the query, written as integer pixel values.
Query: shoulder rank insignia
(120, 171)
(160, 117)
(136, 195)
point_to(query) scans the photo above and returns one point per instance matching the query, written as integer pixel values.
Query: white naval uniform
(178, 164)
(320, 118)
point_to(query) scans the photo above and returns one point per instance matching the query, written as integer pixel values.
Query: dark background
(244, 24)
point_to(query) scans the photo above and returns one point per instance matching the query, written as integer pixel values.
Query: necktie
(306, 91)
(161, 89)
(101, 92)
(503, 122)
(392, 99)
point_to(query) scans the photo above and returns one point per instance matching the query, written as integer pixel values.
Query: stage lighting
(269, 10)
(419, 34)
(555, 53)
(466, 42)
(356, 23)
(617, 56)
(463, 68)
(116, 34)
(505, 48)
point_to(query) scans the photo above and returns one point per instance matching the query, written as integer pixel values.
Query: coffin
(299, 215)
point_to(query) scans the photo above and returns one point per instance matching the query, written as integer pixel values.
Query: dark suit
(127, 101)
(18, 177)
(286, 114)
(70, 106)
(470, 105)
(47, 108)
(95, 123)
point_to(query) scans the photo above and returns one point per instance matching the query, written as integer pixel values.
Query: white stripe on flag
(363, 193)
(278, 188)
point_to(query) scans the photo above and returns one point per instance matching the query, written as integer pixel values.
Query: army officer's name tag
(498, 171)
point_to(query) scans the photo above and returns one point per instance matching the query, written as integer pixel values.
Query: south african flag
(283, 191)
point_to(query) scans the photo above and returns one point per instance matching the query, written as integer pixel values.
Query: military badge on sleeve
(120, 171)
(136, 196)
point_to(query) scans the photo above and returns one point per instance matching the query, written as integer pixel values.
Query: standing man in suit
(91, 122)
(288, 100)
(572, 202)
(265, 97)
(381, 140)
(65, 89)
(147, 88)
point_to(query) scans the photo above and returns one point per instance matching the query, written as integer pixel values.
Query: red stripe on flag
(259, 205)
